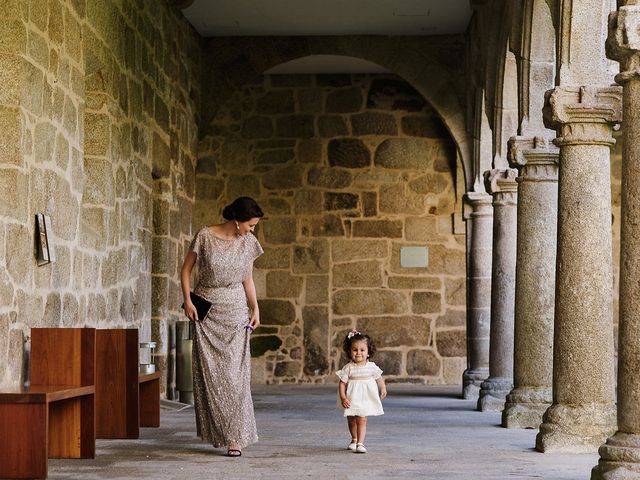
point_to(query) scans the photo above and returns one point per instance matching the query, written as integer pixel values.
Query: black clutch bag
(202, 305)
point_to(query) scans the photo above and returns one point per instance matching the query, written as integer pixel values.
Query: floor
(426, 433)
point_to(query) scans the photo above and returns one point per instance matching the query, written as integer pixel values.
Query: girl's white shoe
(360, 448)
(352, 446)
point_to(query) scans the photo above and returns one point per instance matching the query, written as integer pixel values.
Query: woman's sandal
(234, 452)
(360, 448)
(352, 445)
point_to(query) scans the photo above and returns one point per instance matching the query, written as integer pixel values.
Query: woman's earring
(237, 226)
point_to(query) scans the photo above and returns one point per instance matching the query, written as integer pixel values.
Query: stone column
(479, 295)
(583, 411)
(620, 455)
(501, 183)
(537, 162)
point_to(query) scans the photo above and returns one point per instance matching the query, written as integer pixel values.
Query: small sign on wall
(414, 257)
(44, 236)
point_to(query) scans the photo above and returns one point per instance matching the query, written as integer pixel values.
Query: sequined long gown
(221, 357)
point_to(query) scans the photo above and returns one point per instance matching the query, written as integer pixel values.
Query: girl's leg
(361, 423)
(353, 427)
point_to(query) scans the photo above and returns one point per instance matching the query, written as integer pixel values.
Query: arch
(506, 110)
(417, 61)
(482, 147)
(536, 65)
(498, 78)
(338, 205)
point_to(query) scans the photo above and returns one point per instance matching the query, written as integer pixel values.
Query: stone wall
(348, 170)
(98, 110)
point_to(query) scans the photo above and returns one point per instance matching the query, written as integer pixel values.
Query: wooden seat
(54, 417)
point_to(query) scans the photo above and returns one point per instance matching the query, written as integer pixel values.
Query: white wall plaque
(414, 257)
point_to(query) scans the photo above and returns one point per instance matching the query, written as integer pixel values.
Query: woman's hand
(383, 394)
(345, 402)
(254, 321)
(190, 311)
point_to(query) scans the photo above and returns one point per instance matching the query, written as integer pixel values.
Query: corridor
(427, 432)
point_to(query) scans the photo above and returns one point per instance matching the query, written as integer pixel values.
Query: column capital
(623, 40)
(535, 158)
(501, 183)
(583, 115)
(501, 180)
(479, 205)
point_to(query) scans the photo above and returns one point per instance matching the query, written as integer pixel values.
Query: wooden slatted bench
(54, 417)
(125, 399)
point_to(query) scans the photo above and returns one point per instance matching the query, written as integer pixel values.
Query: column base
(619, 458)
(471, 381)
(576, 428)
(525, 407)
(493, 393)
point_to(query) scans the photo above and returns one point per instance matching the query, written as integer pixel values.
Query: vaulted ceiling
(327, 17)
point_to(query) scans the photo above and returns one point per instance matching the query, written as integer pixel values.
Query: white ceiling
(223, 18)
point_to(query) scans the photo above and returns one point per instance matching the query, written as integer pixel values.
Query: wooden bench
(54, 417)
(149, 399)
(125, 400)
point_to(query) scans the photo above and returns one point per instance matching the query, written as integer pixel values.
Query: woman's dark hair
(242, 209)
(354, 336)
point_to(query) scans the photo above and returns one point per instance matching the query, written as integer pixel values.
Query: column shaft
(620, 455)
(479, 295)
(535, 281)
(493, 391)
(583, 409)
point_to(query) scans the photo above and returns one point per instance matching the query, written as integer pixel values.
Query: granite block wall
(349, 169)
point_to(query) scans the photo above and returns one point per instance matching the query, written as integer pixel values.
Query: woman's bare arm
(185, 280)
(252, 300)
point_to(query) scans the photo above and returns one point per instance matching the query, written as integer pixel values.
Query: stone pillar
(501, 183)
(583, 411)
(620, 455)
(479, 295)
(537, 162)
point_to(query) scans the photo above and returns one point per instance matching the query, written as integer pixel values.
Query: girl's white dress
(362, 389)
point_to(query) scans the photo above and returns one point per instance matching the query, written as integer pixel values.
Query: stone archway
(536, 65)
(347, 180)
(418, 60)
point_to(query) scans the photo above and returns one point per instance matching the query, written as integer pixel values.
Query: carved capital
(501, 183)
(583, 115)
(535, 158)
(623, 41)
(479, 204)
(501, 180)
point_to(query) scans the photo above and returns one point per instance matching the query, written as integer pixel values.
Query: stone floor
(427, 432)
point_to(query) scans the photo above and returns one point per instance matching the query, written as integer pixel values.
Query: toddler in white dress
(361, 387)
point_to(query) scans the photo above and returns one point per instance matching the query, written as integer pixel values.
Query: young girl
(360, 380)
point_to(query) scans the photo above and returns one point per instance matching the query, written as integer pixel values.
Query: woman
(221, 360)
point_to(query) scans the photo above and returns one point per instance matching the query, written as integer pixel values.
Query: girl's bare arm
(382, 387)
(342, 390)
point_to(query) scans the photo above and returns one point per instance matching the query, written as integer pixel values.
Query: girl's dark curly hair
(354, 336)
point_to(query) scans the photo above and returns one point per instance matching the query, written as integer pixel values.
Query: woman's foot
(352, 445)
(360, 448)
(234, 451)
